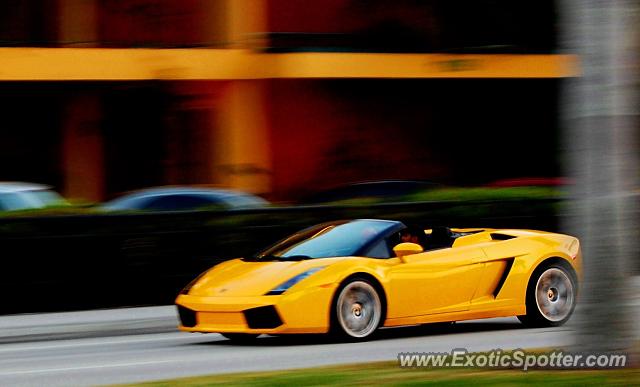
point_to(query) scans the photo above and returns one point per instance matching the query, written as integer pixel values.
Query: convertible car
(352, 277)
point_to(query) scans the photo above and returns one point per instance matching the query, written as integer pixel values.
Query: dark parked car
(183, 199)
(16, 196)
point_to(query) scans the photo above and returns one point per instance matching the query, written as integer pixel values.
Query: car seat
(440, 238)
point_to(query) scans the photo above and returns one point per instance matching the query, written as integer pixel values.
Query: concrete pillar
(601, 120)
(82, 153)
(242, 151)
(245, 20)
(78, 23)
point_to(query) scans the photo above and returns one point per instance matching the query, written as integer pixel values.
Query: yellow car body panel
(483, 274)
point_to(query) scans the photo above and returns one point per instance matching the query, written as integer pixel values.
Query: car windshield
(337, 239)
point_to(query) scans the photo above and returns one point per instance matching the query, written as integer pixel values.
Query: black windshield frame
(387, 228)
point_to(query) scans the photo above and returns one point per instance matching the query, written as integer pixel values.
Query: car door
(437, 281)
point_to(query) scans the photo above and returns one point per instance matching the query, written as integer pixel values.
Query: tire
(357, 310)
(551, 296)
(240, 337)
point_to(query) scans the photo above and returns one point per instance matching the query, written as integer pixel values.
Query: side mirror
(407, 249)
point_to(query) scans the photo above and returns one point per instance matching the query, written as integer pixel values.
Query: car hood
(238, 278)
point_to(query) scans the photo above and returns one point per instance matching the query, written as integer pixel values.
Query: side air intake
(503, 277)
(501, 237)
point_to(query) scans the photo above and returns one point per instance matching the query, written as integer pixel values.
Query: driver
(413, 235)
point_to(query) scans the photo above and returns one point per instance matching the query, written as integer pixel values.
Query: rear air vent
(501, 237)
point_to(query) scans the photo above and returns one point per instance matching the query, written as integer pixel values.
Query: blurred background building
(276, 97)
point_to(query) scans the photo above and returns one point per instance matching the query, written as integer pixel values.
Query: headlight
(186, 289)
(283, 287)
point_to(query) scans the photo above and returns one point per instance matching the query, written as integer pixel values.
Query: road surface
(155, 356)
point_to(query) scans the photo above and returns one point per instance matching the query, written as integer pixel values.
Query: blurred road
(142, 344)
(90, 323)
(154, 356)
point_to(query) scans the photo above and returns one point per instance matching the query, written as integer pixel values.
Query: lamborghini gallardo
(351, 277)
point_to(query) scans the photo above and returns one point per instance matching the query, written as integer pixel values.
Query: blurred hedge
(63, 262)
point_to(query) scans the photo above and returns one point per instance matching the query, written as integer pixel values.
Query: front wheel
(551, 296)
(358, 310)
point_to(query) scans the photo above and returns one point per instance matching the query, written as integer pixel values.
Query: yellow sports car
(352, 277)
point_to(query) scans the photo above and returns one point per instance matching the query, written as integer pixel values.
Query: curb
(84, 324)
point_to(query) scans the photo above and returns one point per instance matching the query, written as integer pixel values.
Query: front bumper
(304, 311)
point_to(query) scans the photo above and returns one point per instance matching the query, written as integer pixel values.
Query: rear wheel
(240, 337)
(551, 296)
(357, 310)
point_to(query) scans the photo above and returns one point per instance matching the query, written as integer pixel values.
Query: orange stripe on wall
(60, 64)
